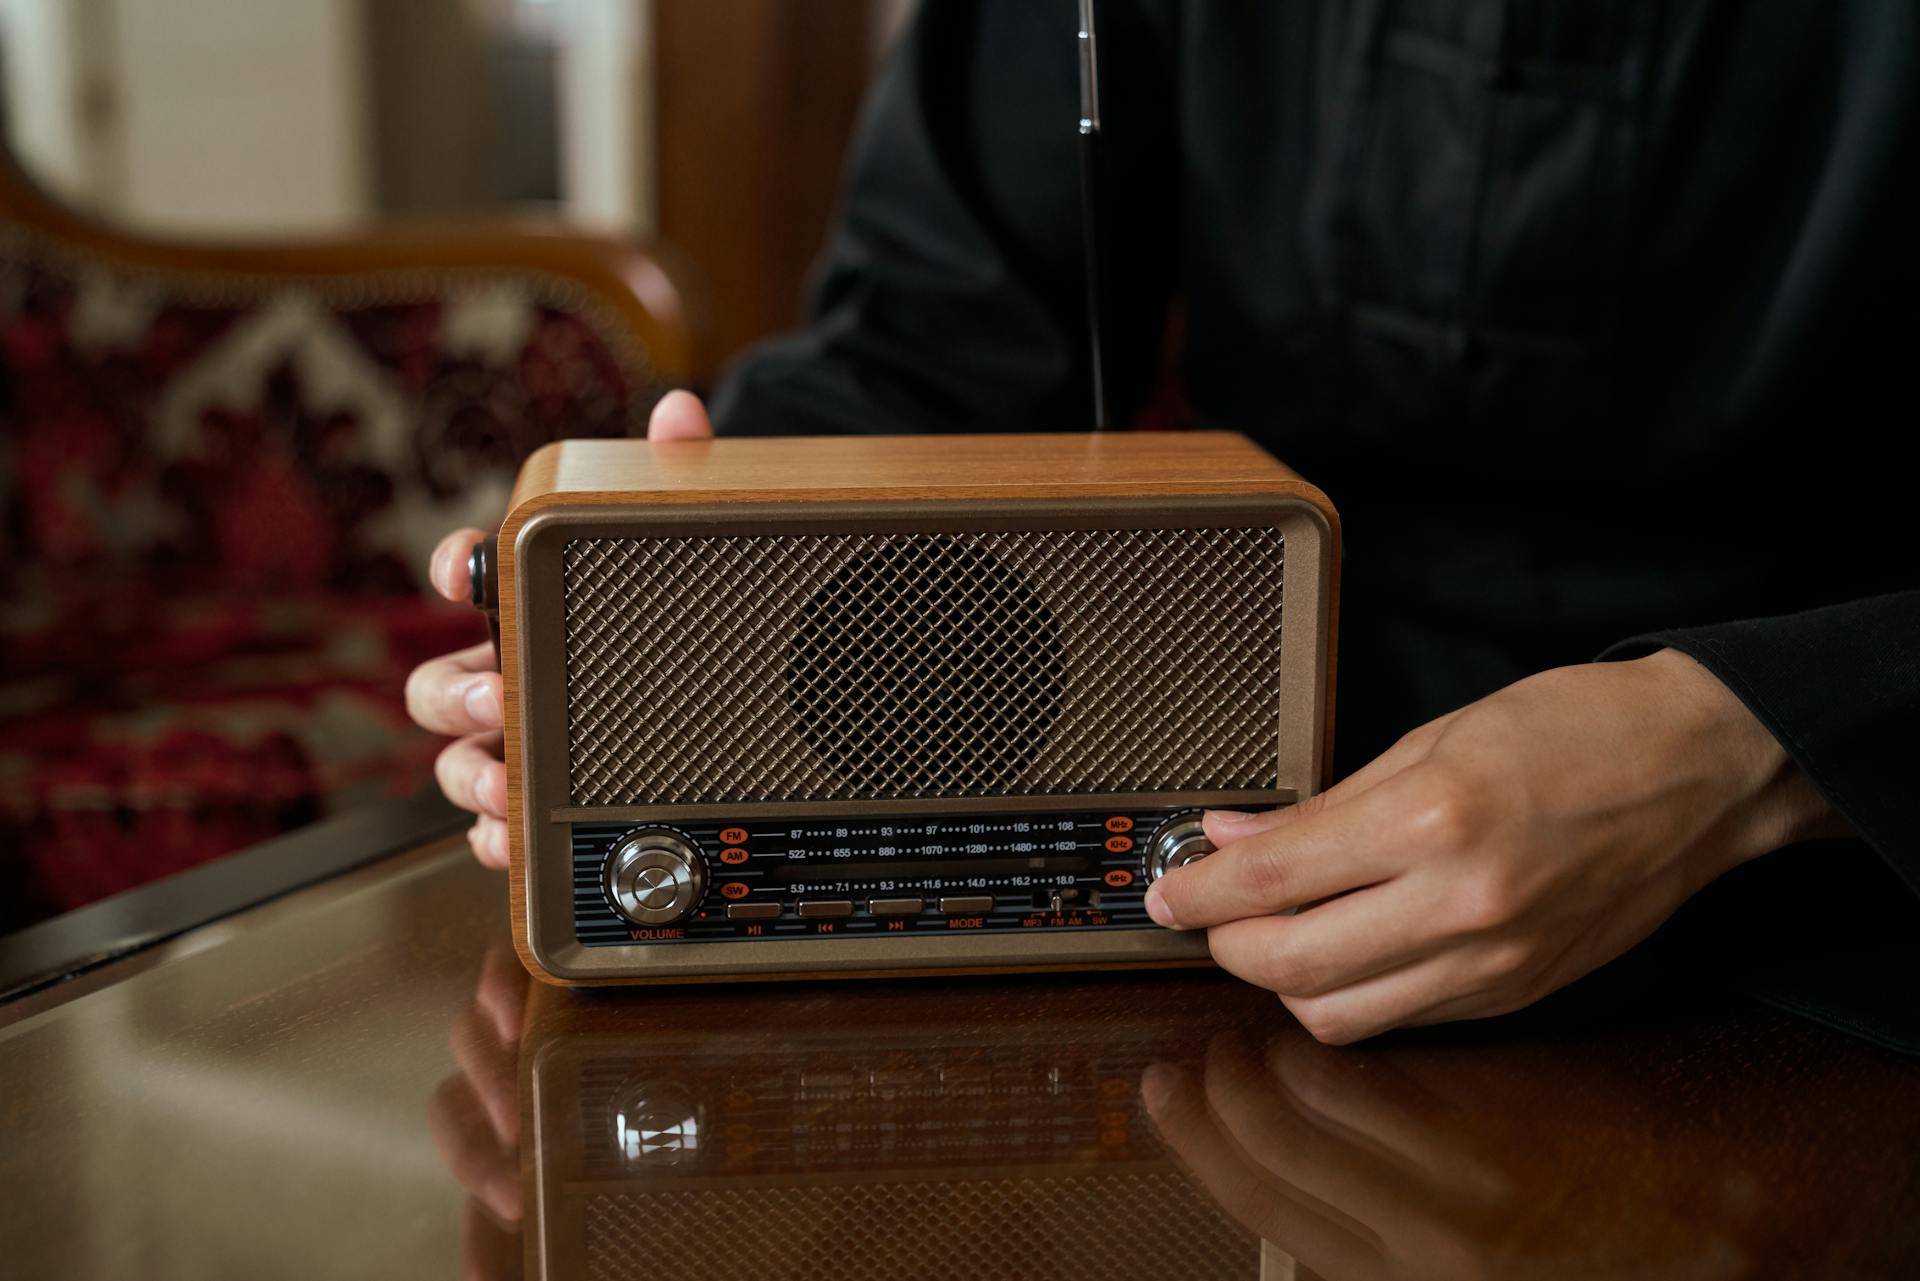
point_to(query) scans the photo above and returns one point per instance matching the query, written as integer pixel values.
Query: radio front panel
(850, 876)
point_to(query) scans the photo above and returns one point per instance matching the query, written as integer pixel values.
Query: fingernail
(1157, 907)
(481, 704)
(1227, 818)
(1156, 1087)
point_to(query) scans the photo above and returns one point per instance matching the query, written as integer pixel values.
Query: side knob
(483, 589)
(1179, 842)
(656, 877)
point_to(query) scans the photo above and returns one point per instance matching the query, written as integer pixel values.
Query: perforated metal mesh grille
(1150, 1224)
(893, 666)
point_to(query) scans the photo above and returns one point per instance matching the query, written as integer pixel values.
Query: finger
(1394, 999)
(1318, 1235)
(488, 1064)
(1333, 944)
(1511, 975)
(471, 1150)
(447, 567)
(457, 693)
(471, 775)
(1223, 826)
(679, 416)
(488, 839)
(1324, 854)
(1370, 1101)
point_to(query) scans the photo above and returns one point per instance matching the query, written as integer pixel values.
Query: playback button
(752, 911)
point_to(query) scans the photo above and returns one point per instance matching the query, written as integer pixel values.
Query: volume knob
(1180, 841)
(656, 877)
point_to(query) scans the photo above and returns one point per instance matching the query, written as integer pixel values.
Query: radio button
(752, 911)
(1180, 841)
(655, 877)
(896, 906)
(826, 907)
(972, 905)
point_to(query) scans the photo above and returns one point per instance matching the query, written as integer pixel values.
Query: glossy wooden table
(359, 1081)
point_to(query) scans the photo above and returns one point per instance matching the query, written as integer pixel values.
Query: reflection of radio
(966, 1133)
(814, 706)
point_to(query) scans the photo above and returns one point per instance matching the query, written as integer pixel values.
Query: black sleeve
(1840, 688)
(1828, 929)
(951, 296)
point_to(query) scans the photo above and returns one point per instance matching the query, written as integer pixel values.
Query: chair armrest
(652, 287)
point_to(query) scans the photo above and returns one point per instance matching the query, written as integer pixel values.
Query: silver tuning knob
(656, 877)
(1179, 842)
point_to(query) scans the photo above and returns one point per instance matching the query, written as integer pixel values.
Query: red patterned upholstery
(217, 495)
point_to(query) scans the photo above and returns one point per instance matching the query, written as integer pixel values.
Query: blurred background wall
(717, 124)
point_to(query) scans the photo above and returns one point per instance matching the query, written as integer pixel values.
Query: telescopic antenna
(1089, 185)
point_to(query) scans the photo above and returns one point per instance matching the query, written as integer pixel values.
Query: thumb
(447, 567)
(679, 416)
(1223, 826)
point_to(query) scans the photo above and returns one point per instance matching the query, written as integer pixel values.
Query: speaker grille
(907, 666)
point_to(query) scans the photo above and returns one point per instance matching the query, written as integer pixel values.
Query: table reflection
(968, 1131)
(1177, 1126)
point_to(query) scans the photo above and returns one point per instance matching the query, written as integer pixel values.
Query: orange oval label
(733, 836)
(733, 855)
(1119, 844)
(1119, 878)
(734, 889)
(1119, 823)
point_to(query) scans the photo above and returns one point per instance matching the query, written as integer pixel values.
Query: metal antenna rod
(1089, 187)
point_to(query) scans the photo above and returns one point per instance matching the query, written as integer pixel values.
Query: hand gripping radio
(859, 706)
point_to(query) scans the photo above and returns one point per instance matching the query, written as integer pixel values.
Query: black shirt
(1596, 323)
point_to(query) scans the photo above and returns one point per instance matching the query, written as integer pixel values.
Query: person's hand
(475, 1116)
(1498, 853)
(459, 694)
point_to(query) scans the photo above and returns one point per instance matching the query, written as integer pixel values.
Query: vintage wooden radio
(856, 706)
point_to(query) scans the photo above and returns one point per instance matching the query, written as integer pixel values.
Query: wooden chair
(221, 470)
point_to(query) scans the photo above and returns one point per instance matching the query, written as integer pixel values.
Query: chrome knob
(1179, 842)
(656, 877)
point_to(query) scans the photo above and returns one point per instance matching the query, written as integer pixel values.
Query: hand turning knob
(1179, 842)
(656, 877)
